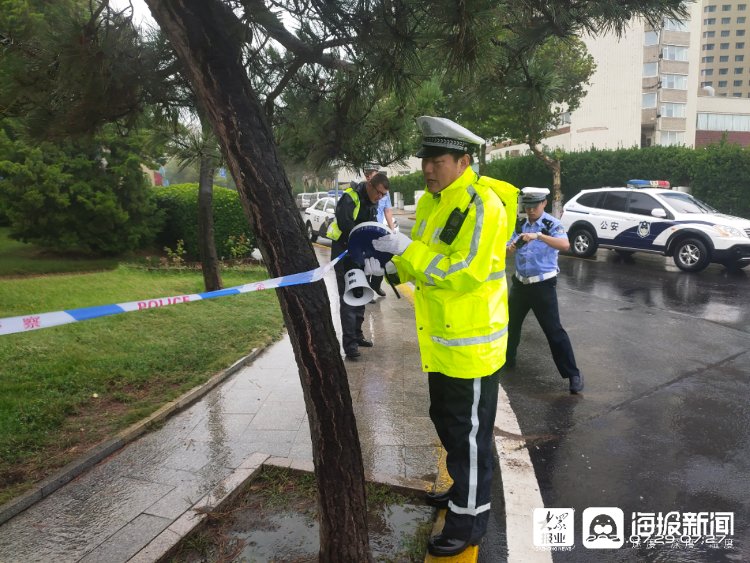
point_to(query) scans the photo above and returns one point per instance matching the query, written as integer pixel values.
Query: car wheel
(582, 242)
(312, 235)
(624, 253)
(691, 255)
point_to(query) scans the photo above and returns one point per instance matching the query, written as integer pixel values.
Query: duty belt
(535, 279)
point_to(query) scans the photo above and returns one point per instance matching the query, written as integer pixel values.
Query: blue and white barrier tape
(25, 323)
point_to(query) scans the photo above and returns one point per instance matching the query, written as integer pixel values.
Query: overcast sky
(141, 13)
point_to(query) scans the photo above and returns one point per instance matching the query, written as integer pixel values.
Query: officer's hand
(530, 236)
(396, 243)
(373, 267)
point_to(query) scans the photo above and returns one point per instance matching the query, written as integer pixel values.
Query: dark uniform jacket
(368, 211)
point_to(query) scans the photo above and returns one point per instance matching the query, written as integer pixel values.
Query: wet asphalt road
(664, 421)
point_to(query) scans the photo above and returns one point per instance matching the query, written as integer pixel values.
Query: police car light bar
(649, 184)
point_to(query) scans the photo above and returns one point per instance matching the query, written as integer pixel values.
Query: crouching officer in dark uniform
(536, 244)
(357, 205)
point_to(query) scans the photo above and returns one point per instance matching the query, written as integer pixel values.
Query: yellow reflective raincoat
(461, 297)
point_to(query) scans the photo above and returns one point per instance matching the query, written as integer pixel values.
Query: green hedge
(718, 174)
(180, 205)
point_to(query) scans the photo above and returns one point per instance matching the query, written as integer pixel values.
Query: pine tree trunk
(554, 166)
(206, 242)
(207, 38)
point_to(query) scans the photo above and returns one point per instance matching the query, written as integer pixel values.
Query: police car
(648, 216)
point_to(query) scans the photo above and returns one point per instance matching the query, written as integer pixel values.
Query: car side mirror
(659, 212)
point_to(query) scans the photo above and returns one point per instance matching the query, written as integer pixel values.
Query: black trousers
(351, 317)
(463, 412)
(540, 297)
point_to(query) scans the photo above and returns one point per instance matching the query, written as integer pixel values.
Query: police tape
(25, 323)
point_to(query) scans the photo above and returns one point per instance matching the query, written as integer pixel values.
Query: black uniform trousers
(351, 317)
(540, 297)
(463, 412)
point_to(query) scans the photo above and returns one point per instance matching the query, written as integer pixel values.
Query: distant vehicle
(647, 216)
(318, 216)
(305, 200)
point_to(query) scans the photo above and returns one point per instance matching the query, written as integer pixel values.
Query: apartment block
(683, 82)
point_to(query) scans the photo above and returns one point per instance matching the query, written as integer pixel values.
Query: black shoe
(438, 500)
(379, 292)
(576, 384)
(353, 355)
(443, 546)
(364, 342)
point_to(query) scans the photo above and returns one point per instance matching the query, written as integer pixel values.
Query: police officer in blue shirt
(536, 244)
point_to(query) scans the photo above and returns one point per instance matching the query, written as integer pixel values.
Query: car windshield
(685, 203)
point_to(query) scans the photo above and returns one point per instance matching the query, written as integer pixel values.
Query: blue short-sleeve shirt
(535, 257)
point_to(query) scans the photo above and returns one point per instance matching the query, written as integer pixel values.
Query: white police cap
(533, 195)
(441, 135)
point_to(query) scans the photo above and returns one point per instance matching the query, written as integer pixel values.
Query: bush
(63, 197)
(179, 202)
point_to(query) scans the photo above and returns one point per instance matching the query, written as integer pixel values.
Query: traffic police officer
(456, 260)
(536, 244)
(356, 205)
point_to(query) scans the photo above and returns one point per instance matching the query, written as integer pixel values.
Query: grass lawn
(20, 259)
(66, 388)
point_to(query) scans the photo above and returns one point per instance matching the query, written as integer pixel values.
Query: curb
(162, 545)
(122, 438)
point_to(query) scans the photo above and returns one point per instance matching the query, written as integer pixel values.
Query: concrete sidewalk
(149, 487)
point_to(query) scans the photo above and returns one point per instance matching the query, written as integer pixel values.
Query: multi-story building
(681, 83)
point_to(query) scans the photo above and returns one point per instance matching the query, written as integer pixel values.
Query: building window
(726, 7)
(725, 33)
(651, 38)
(711, 8)
(709, 34)
(708, 47)
(741, 19)
(706, 21)
(723, 71)
(723, 58)
(739, 45)
(650, 69)
(740, 32)
(722, 83)
(675, 25)
(737, 83)
(674, 81)
(707, 72)
(649, 100)
(707, 59)
(670, 109)
(726, 21)
(707, 83)
(675, 53)
(739, 70)
(739, 58)
(737, 95)
(724, 46)
(672, 138)
(741, 7)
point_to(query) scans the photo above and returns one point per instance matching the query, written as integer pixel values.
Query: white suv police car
(647, 216)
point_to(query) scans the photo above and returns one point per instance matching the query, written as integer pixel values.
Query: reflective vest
(334, 233)
(461, 297)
